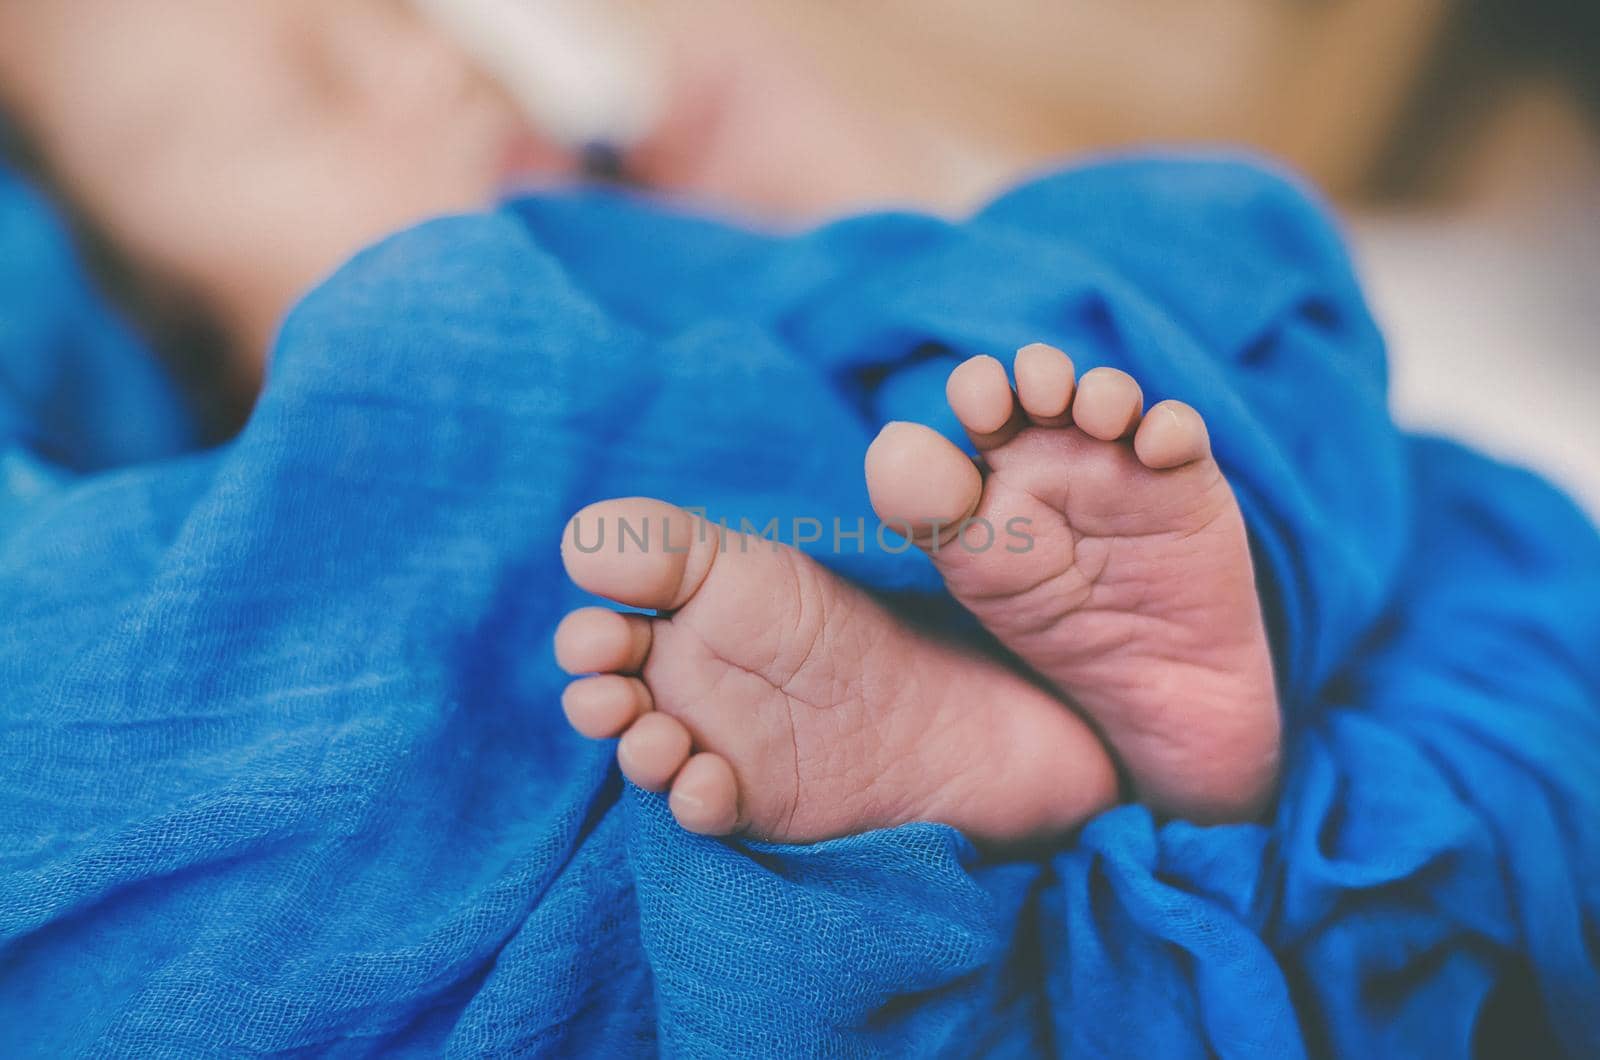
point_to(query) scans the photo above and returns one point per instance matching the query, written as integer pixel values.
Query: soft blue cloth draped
(282, 766)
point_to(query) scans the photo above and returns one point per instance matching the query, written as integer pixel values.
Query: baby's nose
(390, 59)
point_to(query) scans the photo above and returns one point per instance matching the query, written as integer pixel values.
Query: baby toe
(919, 483)
(600, 707)
(1045, 378)
(639, 552)
(1171, 435)
(705, 797)
(653, 750)
(980, 395)
(595, 640)
(1108, 404)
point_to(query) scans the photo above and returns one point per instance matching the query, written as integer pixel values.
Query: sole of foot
(771, 699)
(1101, 543)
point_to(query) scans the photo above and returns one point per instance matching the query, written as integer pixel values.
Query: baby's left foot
(771, 698)
(1127, 583)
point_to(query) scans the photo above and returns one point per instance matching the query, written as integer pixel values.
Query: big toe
(920, 482)
(639, 552)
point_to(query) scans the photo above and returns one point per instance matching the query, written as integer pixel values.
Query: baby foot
(1118, 567)
(773, 699)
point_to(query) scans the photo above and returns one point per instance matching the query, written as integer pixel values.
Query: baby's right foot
(772, 699)
(1135, 595)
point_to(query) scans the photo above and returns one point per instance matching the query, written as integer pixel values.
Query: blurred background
(220, 158)
(1459, 139)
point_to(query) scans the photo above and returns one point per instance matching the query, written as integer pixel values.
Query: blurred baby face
(244, 150)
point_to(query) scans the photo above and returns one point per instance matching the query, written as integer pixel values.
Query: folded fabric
(284, 768)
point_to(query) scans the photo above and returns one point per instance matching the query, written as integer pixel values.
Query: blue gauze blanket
(283, 766)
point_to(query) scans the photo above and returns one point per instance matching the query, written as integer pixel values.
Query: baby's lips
(528, 156)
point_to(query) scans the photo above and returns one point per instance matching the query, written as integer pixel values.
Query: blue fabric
(283, 766)
(76, 390)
